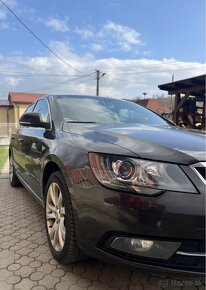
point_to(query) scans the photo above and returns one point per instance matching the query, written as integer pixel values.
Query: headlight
(137, 175)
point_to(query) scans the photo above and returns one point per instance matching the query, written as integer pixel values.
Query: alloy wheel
(55, 216)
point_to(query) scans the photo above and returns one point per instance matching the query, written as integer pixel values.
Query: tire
(59, 219)
(13, 179)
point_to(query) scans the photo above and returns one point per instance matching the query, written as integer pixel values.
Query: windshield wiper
(84, 122)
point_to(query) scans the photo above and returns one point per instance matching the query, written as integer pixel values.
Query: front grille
(200, 170)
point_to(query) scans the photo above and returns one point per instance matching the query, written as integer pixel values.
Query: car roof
(84, 96)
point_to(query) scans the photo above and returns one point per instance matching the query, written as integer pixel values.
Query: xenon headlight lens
(138, 175)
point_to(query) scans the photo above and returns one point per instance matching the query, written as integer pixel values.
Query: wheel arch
(53, 164)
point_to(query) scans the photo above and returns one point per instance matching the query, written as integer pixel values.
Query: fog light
(145, 248)
(141, 245)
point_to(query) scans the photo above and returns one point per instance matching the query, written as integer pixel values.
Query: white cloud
(11, 3)
(115, 4)
(2, 14)
(4, 25)
(147, 53)
(126, 78)
(125, 37)
(85, 33)
(13, 82)
(96, 47)
(112, 37)
(57, 24)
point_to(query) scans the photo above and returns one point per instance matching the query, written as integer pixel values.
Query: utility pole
(98, 77)
(144, 94)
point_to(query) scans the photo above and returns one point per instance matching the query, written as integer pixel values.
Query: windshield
(79, 109)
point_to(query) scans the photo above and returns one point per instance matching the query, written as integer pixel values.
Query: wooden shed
(189, 107)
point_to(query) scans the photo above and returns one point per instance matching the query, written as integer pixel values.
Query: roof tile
(23, 98)
(153, 105)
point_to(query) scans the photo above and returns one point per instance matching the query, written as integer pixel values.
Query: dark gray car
(116, 180)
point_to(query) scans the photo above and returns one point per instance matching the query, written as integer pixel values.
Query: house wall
(6, 119)
(6, 115)
(19, 109)
(3, 114)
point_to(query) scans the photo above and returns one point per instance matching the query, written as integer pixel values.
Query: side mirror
(33, 120)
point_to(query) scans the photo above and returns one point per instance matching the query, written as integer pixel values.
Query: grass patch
(3, 156)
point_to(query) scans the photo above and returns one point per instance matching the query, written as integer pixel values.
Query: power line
(45, 45)
(10, 73)
(18, 73)
(34, 75)
(67, 84)
(150, 65)
(57, 84)
(156, 71)
(125, 81)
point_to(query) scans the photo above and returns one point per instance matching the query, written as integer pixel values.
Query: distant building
(14, 107)
(153, 105)
(6, 112)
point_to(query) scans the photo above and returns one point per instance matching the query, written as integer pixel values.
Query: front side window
(42, 108)
(30, 108)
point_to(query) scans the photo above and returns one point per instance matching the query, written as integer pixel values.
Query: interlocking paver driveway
(26, 262)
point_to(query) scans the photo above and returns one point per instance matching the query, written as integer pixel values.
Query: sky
(137, 45)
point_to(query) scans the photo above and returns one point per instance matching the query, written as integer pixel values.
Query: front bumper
(103, 214)
(188, 258)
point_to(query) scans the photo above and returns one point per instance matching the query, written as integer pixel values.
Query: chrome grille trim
(199, 164)
(191, 254)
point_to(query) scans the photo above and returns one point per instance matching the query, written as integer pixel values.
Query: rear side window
(42, 108)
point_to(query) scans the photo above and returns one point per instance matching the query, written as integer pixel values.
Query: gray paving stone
(35, 264)
(40, 288)
(14, 279)
(49, 281)
(4, 263)
(25, 271)
(4, 274)
(24, 251)
(37, 276)
(25, 284)
(24, 260)
(84, 283)
(70, 277)
(46, 268)
(14, 267)
(62, 285)
(5, 286)
(34, 254)
(58, 273)
(98, 285)
(76, 287)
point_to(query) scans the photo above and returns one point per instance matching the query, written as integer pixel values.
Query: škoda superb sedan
(116, 180)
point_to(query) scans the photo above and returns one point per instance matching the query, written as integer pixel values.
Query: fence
(6, 129)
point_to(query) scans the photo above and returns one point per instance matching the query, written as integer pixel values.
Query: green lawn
(3, 156)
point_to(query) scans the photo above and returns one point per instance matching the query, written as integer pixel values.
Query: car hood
(163, 143)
